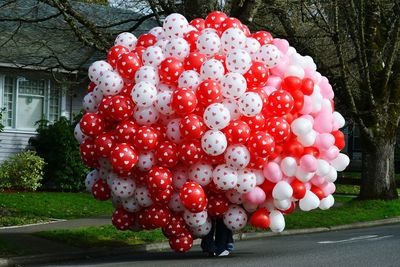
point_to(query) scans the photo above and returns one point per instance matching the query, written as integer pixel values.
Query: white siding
(74, 103)
(13, 142)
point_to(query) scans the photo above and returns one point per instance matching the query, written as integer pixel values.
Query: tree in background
(355, 43)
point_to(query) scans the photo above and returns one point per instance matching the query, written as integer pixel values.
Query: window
(28, 101)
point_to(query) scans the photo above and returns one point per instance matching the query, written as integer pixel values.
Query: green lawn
(24, 208)
(8, 249)
(350, 189)
(350, 211)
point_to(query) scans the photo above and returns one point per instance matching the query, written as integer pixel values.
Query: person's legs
(207, 242)
(222, 236)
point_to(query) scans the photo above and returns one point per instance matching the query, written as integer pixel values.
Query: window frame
(46, 102)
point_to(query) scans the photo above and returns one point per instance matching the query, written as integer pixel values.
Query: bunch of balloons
(198, 120)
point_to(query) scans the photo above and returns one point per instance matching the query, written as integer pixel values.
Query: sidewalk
(45, 251)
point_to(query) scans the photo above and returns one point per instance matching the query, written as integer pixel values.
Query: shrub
(56, 143)
(22, 171)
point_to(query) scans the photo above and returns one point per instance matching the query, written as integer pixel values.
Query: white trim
(10, 130)
(30, 67)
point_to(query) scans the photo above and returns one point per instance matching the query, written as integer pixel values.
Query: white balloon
(195, 219)
(189, 79)
(97, 69)
(332, 175)
(163, 103)
(301, 126)
(268, 204)
(212, 69)
(327, 202)
(233, 38)
(224, 177)
(238, 60)
(323, 167)
(259, 176)
(179, 176)
(250, 104)
(216, 116)
(282, 190)
(110, 83)
(145, 161)
(177, 47)
(130, 204)
(175, 25)
(339, 119)
(173, 132)
(307, 139)
(201, 173)
(250, 207)
(341, 162)
(235, 218)
(90, 103)
(214, 142)
(233, 85)
(147, 74)
(144, 94)
(79, 136)
(157, 32)
(126, 39)
(309, 202)
(142, 196)
(91, 178)
(246, 181)
(276, 221)
(153, 56)
(252, 46)
(234, 196)
(283, 204)
(208, 43)
(269, 55)
(289, 166)
(145, 115)
(237, 156)
(233, 108)
(123, 187)
(175, 203)
(203, 229)
(303, 176)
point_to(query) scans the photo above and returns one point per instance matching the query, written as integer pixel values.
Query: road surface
(376, 246)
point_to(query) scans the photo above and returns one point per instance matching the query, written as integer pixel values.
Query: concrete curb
(92, 253)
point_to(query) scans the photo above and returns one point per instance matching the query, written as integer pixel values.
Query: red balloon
(261, 144)
(258, 162)
(104, 107)
(91, 87)
(198, 23)
(159, 178)
(166, 154)
(181, 243)
(104, 144)
(237, 132)
(194, 61)
(170, 69)
(175, 227)
(293, 148)
(312, 151)
(230, 23)
(101, 191)
(88, 153)
(92, 124)
(125, 132)
(215, 19)
(123, 157)
(291, 209)
(339, 139)
(122, 220)
(146, 40)
(121, 107)
(184, 101)
(190, 152)
(277, 152)
(157, 215)
(307, 86)
(256, 123)
(191, 38)
(139, 51)
(192, 127)
(128, 64)
(299, 189)
(267, 187)
(291, 83)
(317, 191)
(127, 89)
(280, 102)
(208, 92)
(161, 197)
(260, 218)
(114, 53)
(193, 197)
(262, 37)
(257, 75)
(278, 128)
(217, 205)
(145, 139)
(298, 97)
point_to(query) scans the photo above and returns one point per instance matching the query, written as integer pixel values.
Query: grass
(8, 249)
(25, 208)
(350, 211)
(350, 189)
(102, 236)
(357, 175)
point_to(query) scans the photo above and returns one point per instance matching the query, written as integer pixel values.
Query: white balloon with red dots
(201, 173)
(203, 229)
(126, 39)
(97, 69)
(179, 176)
(147, 74)
(153, 56)
(246, 181)
(173, 132)
(131, 205)
(144, 94)
(142, 196)
(237, 156)
(235, 218)
(110, 83)
(234, 196)
(123, 187)
(208, 43)
(177, 47)
(175, 25)
(233, 108)
(212, 69)
(195, 219)
(163, 103)
(224, 177)
(252, 46)
(216, 116)
(269, 55)
(175, 203)
(250, 104)
(145, 161)
(233, 85)
(189, 79)
(233, 38)
(145, 115)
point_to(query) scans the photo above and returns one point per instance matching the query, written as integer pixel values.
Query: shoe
(223, 253)
(211, 254)
(230, 246)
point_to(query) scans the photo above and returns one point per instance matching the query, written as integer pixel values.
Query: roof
(50, 43)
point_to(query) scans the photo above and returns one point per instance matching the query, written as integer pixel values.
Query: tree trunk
(377, 176)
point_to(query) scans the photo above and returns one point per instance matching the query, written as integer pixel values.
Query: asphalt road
(376, 246)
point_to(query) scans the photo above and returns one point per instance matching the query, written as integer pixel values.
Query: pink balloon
(274, 81)
(255, 196)
(272, 172)
(281, 44)
(328, 188)
(308, 163)
(281, 67)
(324, 141)
(326, 88)
(323, 122)
(307, 106)
(318, 180)
(330, 154)
(269, 89)
(310, 73)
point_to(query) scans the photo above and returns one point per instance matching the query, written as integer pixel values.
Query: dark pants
(223, 236)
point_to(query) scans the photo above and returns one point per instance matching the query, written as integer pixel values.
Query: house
(43, 65)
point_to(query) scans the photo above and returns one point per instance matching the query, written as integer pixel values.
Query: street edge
(103, 252)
